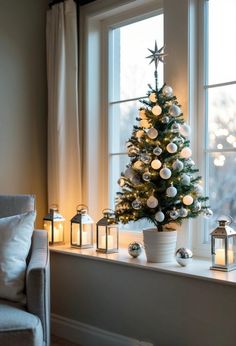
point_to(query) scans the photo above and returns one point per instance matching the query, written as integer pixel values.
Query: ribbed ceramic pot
(159, 246)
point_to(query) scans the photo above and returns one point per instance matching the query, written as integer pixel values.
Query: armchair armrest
(38, 281)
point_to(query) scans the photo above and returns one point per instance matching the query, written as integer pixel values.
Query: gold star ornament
(157, 55)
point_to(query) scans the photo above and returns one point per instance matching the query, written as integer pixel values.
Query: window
(129, 76)
(220, 108)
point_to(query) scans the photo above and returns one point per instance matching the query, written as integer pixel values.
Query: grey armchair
(28, 325)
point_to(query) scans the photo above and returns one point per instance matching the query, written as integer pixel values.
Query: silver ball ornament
(157, 151)
(178, 165)
(174, 214)
(183, 256)
(185, 130)
(174, 111)
(136, 204)
(165, 119)
(159, 216)
(182, 212)
(167, 91)
(152, 202)
(146, 176)
(175, 127)
(152, 133)
(171, 148)
(134, 249)
(146, 158)
(165, 173)
(171, 191)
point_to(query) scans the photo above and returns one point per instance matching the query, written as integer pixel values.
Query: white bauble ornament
(139, 133)
(188, 200)
(145, 124)
(129, 173)
(182, 212)
(152, 202)
(171, 148)
(174, 214)
(121, 182)
(152, 133)
(156, 110)
(174, 111)
(171, 191)
(159, 216)
(153, 97)
(165, 173)
(175, 127)
(136, 204)
(186, 153)
(185, 179)
(156, 164)
(185, 130)
(146, 176)
(198, 189)
(178, 165)
(142, 114)
(138, 165)
(157, 151)
(167, 91)
(146, 158)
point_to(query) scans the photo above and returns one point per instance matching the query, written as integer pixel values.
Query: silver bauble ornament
(165, 119)
(146, 176)
(167, 91)
(174, 214)
(165, 173)
(182, 212)
(185, 180)
(171, 191)
(134, 249)
(146, 158)
(159, 216)
(171, 148)
(152, 202)
(129, 173)
(175, 127)
(178, 165)
(174, 111)
(183, 256)
(157, 151)
(152, 133)
(136, 204)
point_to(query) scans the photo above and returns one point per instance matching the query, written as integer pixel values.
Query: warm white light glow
(220, 257)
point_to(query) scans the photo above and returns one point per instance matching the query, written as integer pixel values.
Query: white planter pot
(159, 246)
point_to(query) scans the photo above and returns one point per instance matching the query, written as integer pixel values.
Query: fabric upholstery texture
(28, 325)
(15, 241)
(18, 327)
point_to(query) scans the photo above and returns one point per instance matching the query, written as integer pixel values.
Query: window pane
(132, 71)
(222, 117)
(117, 165)
(222, 42)
(122, 119)
(222, 184)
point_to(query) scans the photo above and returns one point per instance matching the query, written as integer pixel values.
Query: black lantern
(54, 224)
(82, 228)
(223, 247)
(107, 233)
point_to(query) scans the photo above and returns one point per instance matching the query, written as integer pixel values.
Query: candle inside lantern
(58, 232)
(109, 242)
(84, 237)
(220, 257)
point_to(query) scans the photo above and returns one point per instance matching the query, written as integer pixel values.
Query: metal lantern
(107, 233)
(82, 228)
(223, 247)
(54, 223)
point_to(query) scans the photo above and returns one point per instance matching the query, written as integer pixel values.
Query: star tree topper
(156, 56)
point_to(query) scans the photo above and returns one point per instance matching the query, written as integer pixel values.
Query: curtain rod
(79, 2)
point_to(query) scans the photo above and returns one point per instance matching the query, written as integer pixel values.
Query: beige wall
(23, 99)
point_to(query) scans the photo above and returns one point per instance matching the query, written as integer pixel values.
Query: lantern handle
(54, 207)
(228, 219)
(82, 207)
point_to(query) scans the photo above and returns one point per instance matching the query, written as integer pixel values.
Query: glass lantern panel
(47, 225)
(87, 230)
(112, 237)
(231, 250)
(75, 238)
(58, 231)
(102, 237)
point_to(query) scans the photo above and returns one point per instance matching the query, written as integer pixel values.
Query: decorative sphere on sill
(183, 256)
(134, 249)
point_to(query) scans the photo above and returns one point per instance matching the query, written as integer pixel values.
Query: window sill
(199, 268)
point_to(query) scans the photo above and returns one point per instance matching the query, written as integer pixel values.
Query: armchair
(28, 325)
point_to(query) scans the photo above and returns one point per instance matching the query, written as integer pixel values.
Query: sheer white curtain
(64, 147)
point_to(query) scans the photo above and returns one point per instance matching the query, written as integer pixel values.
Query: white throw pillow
(15, 241)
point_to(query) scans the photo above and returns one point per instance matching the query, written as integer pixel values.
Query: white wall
(164, 309)
(23, 99)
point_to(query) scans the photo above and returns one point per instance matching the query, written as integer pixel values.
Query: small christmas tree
(160, 183)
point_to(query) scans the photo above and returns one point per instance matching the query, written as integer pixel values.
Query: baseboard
(88, 335)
